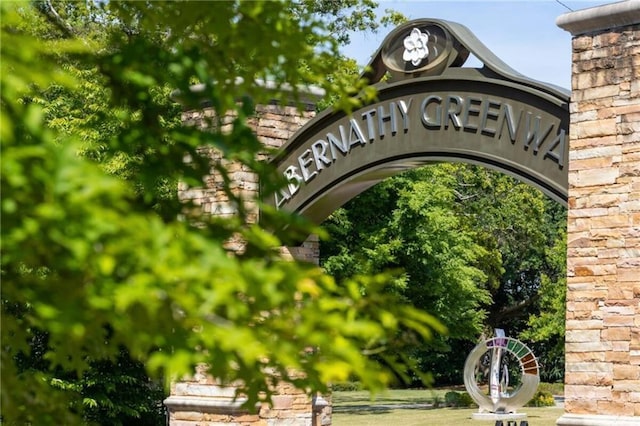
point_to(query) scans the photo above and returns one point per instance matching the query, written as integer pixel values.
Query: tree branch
(513, 310)
(46, 8)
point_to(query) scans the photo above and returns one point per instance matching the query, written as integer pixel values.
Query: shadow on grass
(361, 410)
(379, 409)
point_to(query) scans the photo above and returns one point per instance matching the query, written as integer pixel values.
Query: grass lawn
(356, 409)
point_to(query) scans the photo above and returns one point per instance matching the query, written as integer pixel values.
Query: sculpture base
(499, 416)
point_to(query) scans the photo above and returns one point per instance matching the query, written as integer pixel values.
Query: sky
(521, 33)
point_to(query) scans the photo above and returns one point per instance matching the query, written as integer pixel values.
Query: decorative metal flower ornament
(415, 47)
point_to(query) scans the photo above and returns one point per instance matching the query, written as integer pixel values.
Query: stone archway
(434, 111)
(502, 120)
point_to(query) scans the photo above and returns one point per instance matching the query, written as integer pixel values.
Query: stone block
(613, 253)
(580, 406)
(587, 306)
(619, 306)
(628, 128)
(616, 333)
(629, 274)
(633, 205)
(589, 367)
(589, 115)
(576, 336)
(605, 233)
(618, 320)
(582, 271)
(626, 372)
(594, 346)
(597, 151)
(611, 221)
(581, 43)
(616, 242)
(620, 292)
(622, 101)
(274, 133)
(584, 325)
(632, 385)
(617, 188)
(596, 128)
(604, 200)
(204, 390)
(243, 419)
(617, 357)
(597, 93)
(193, 416)
(573, 357)
(588, 392)
(615, 408)
(588, 378)
(593, 177)
(282, 402)
(590, 212)
(620, 346)
(583, 80)
(590, 295)
(584, 251)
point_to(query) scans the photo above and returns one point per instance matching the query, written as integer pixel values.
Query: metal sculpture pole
(494, 377)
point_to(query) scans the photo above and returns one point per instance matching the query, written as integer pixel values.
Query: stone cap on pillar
(614, 15)
(308, 95)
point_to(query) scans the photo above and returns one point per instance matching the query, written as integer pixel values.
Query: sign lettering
(497, 119)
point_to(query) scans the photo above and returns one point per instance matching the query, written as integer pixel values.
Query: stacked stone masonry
(603, 258)
(201, 400)
(274, 125)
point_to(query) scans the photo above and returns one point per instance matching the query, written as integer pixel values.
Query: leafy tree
(342, 16)
(99, 254)
(475, 248)
(522, 224)
(115, 392)
(546, 328)
(410, 223)
(529, 230)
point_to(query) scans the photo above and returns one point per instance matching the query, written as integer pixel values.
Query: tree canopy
(474, 247)
(100, 255)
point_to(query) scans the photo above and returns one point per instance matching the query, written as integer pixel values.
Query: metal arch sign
(431, 110)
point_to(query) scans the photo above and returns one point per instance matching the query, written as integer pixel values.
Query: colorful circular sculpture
(499, 400)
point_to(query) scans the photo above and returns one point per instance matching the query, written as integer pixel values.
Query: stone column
(201, 399)
(602, 378)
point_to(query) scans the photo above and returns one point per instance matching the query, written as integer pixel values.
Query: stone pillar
(201, 400)
(602, 378)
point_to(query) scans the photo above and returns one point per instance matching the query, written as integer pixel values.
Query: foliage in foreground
(99, 254)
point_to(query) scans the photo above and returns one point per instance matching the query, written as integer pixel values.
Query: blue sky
(521, 33)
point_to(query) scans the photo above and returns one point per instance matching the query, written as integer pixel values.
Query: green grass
(357, 409)
(391, 396)
(553, 388)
